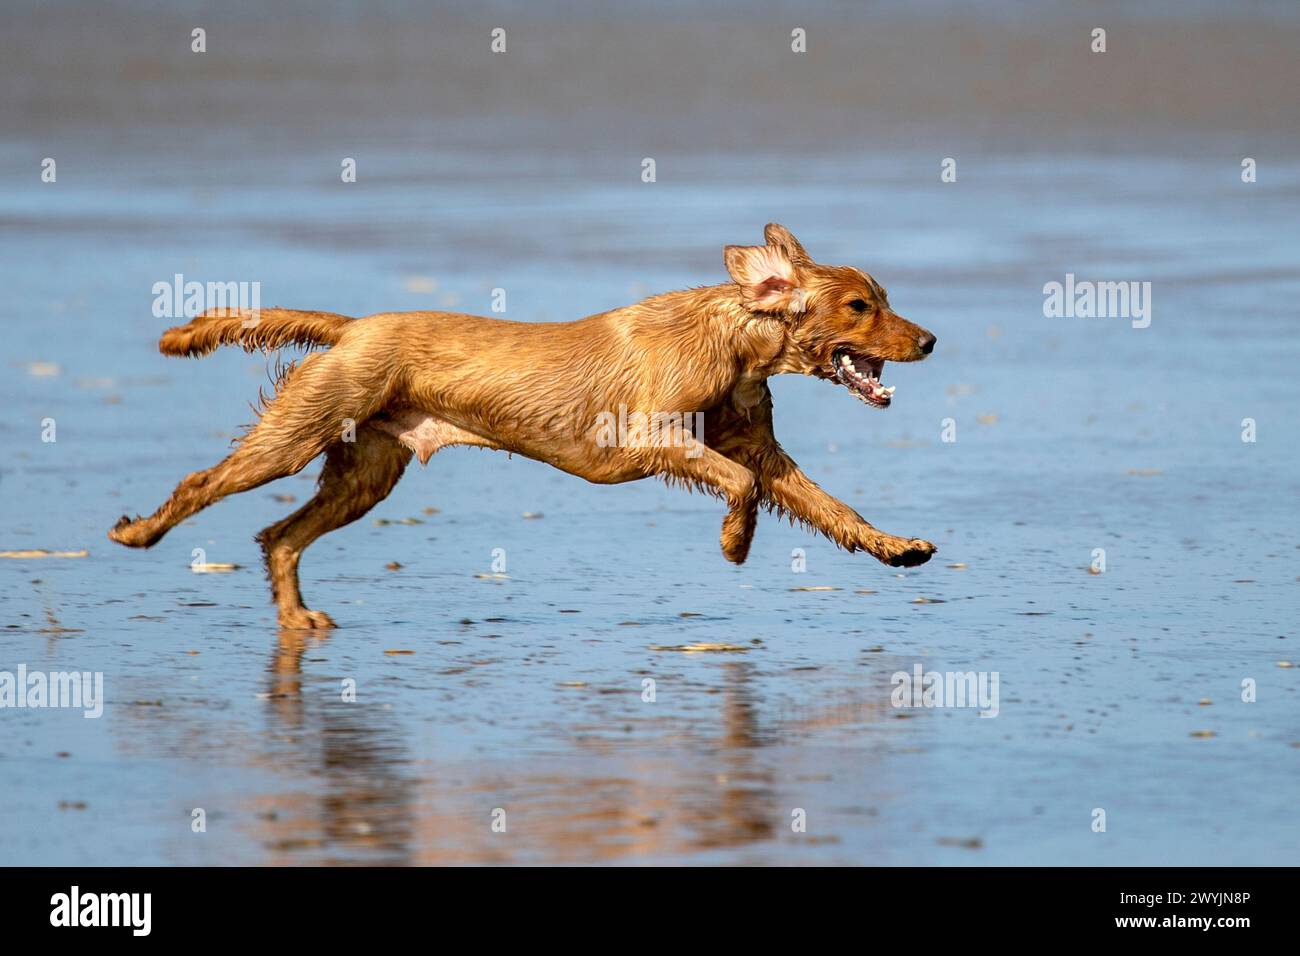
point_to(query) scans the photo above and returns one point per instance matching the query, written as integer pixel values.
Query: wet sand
(524, 693)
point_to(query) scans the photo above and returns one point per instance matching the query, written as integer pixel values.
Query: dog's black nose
(927, 343)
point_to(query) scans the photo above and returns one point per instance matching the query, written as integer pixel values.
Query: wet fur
(396, 384)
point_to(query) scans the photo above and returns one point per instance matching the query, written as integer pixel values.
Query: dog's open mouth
(861, 375)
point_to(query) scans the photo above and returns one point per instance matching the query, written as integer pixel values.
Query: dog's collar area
(860, 374)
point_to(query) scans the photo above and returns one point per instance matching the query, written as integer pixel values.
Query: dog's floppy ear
(766, 276)
(777, 235)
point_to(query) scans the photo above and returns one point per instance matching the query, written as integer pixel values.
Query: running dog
(399, 384)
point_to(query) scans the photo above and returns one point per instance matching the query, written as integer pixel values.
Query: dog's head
(838, 321)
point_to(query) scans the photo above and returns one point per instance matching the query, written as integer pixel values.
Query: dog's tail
(264, 329)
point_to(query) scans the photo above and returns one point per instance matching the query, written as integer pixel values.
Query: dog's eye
(857, 305)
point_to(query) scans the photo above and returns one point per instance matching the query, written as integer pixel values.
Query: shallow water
(524, 692)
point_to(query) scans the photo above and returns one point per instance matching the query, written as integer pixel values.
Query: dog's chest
(760, 346)
(749, 392)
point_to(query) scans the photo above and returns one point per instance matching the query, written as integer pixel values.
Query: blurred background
(522, 690)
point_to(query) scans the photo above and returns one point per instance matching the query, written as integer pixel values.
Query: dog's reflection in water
(361, 811)
(683, 785)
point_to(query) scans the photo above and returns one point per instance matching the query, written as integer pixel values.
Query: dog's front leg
(786, 486)
(738, 529)
(698, 464)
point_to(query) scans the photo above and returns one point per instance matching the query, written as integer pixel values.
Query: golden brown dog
(402, 383)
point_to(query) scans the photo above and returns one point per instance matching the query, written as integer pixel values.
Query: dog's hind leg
(315, 406)
(356, 477)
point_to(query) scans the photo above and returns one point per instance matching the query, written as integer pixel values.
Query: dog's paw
(302, 619)
(735, 551)
(908, 554)
(130, 532)
(737, 535)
